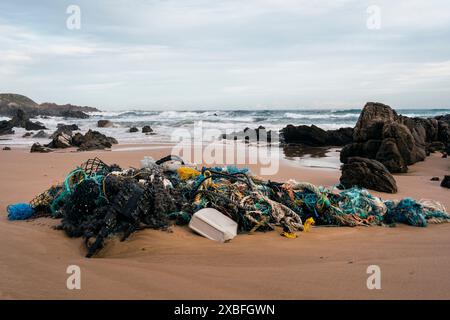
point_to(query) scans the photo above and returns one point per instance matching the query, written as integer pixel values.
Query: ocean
(165, 122)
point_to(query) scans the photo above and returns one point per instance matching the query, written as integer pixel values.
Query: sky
(227, 54)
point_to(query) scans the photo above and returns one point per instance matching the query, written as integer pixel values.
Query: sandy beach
(325, 263)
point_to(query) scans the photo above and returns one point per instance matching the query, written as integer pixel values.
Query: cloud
(214, 53)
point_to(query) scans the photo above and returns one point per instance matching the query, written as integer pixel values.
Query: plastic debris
(97, 201)
(20, 211)
(213, 225)
(308, 223)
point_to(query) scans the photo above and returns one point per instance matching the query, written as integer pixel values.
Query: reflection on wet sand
(320, 157)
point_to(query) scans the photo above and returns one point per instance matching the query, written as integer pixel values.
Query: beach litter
(97, 201)
(214, 225)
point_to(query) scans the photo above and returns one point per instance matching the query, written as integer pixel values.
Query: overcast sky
(197, 54)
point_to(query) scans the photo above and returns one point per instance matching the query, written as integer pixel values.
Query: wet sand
(326, 263)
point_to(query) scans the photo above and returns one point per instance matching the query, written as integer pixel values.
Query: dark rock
(74, 114)
(402, 140)
(6, 127)
(93, 140)
(435, 179)
(259, 134)
(444, 131)
(368, 149)
(27, 134)
(389, 155)
(444, 155)
(406, 144)
(367, 173)
(133, 129)
(307, 135)
(41, 135)
(371, 121)
(31, 126)
(10, 103)
(71, 127)
(314, 136)
(64, 128)
(77, 139)
(7, 148)
(435, 146)
(37, 147)
(147, 129)
(21, 120)
(446, 182)
(104, 124)
(61, 140)
(340, 137)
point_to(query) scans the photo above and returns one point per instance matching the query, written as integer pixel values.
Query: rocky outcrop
(21, 120)
(41, 135)
(10, 103)
(314, 136)
(147, 129)
(60, 140)
(71, 127)
(446, 182)
(367, 173)
(340, 137)
(94, 140)
(259, 134)
(6, 127)
(133, 129)
(104, 124)
(74, 114)
(394, 140)
(37, 147)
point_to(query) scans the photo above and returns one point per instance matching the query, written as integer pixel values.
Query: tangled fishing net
(97, 201)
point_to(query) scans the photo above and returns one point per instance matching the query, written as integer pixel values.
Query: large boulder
(340, 137)
(313, 136)
(61, 140)
(6, 127)
(133, 129)
(368, 149)
(71, 127)
(147, 129)
(400, 140)
(306, 135)
(37, 147)
(41, 135)
(104, 124)
(77, 139)
(260, 134)
(407, 145)
(446, 182)
(21, 120)
(367, 173)
(371, 121)
(389, 155)
(74, 114)
(94, 140)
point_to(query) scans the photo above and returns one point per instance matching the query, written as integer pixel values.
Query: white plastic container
(213, 225)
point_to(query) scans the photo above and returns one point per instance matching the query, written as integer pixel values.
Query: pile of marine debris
(97, 201)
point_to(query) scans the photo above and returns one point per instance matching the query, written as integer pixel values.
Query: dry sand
(326, 263)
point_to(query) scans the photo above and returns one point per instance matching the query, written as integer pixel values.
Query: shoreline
(160, 265)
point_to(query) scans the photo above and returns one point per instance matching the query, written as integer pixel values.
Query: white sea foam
(164, 122)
